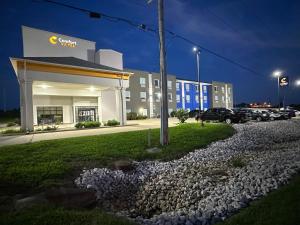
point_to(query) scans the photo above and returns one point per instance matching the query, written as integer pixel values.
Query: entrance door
(86, 114)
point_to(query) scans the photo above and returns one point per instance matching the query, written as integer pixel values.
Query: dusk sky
(263, 35)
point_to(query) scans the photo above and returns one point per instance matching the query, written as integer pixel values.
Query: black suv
(260, 115)
(223, 115)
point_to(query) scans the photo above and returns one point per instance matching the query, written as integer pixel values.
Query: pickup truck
(223, 115)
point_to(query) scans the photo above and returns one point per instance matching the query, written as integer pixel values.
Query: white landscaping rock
(203, 187)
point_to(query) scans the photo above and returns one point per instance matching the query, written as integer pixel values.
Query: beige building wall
(222, 95)
(143, 93)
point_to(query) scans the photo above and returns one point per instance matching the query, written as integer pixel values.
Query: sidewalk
(133, 126)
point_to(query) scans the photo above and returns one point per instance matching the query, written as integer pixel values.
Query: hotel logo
(284, 81)
(54, 40)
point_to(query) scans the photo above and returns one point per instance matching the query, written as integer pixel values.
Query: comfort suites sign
(56, 40)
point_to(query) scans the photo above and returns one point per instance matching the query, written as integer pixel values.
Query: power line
(215, 54)
(145, 27)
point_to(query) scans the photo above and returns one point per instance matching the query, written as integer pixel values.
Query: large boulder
(124, 165)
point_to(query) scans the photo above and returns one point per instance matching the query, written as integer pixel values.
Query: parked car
(247, 113)
(260, 115)
(291, 113)
(194, 113)
(276, 115)
(223, 115)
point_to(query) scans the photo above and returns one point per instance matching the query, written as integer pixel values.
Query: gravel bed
(207, 185)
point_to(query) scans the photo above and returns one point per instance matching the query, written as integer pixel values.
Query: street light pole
(278, 91)
(278, 74)
(197, 51)
(164, 133)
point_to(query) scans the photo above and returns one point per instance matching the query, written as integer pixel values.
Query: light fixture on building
(44, 86)
(92, 88)
(141, 110)
(298, 82)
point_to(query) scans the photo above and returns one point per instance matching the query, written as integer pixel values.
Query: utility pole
(164, 133)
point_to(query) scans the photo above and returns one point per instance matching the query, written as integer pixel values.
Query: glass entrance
(86, 114)
(50, 115)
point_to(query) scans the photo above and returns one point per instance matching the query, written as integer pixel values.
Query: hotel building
(66, 80)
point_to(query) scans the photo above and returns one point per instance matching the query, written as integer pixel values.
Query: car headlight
(264, 114)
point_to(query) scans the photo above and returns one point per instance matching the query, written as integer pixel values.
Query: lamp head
(277, 73)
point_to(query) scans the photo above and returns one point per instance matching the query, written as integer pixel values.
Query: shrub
(11, 131)
(132, 116)
(17, 121)
(112, 123)
(79, 125)
(141, 117)
(10, 124)
(91, 124)
(173, 113)
(182, 115)
(88, 124)
(48, 128)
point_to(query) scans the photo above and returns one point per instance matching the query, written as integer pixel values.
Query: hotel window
(169, 84)
(229, 90)
(143, 81)
(196, 87)
(48, 115)
(205, 98)
(216, 98)
(197, 98)
(156, 83)
(157, 96)
(127, 93)
(205, 89)
(143, 96)
(223, 98)
(177, 86)
(187, 87)
(229, 99)
(188, 98)
(177, 98)
(223, 90)
(216, 88)
(170, 97)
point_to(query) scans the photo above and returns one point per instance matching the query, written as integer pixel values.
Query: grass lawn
(33, 167)
(57, 216)
(281, 207)
(30, 167)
